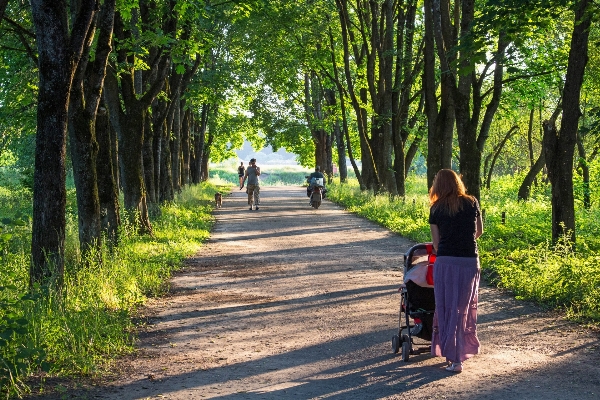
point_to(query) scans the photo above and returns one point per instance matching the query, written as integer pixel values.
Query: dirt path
(288, 302)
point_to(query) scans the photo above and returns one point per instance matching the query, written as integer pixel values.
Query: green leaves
(8, 227)
(19, 219)
(16, 358)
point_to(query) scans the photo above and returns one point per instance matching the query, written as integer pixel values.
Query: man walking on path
(241, 173)
(253, 188)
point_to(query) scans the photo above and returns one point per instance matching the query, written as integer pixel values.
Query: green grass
(81, 331)
(516, 254)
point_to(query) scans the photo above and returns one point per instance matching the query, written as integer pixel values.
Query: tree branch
(515, 78)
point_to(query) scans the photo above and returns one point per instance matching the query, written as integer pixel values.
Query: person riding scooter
(309, 179)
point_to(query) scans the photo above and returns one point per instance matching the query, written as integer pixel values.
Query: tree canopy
(156, 89)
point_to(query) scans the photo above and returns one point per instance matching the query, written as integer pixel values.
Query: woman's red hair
(447, 192)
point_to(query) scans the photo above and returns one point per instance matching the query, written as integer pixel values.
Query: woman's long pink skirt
(456, 283)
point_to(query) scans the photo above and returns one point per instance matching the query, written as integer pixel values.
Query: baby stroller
(417, 301)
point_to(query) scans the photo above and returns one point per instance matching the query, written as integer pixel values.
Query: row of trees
(126, 95)
(384, 80)
(143, 93)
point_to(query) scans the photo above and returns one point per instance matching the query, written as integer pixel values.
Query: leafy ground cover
(79, 331)
(515, 254)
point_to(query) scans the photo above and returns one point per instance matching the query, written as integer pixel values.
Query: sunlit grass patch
(82, 329)
(406, 216)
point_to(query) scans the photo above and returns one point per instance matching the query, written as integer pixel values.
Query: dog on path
(218, 200)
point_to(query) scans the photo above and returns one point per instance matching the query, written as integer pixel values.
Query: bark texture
(106, 165)
(85, 98)
(59, 54)
(440, 120)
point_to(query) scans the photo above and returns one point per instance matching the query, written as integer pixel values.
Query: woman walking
(241, 172)
(455, 221)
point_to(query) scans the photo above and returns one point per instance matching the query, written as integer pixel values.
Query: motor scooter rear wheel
(315, 199)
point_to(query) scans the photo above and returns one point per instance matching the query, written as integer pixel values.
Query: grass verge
(81, 331)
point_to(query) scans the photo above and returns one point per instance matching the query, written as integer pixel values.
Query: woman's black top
(457, 233)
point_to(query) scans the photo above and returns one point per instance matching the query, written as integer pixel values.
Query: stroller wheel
(405, 351)
(406, 347)
(395, 343)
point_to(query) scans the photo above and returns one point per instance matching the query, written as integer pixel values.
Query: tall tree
(368, 41)
(86, 93)
(440, 118)
(135, 100)
(559, 148)
(59, 50)
(548, 128)
(106, 170)
(408, 67)
(467, 89)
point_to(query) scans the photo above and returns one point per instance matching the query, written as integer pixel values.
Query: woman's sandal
(454, 367)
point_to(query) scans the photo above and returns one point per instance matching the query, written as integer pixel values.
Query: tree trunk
(467, 113)
(3, 4)
(404, 79)
(114, 147)
(167, 192)
(185, 147)
(108, 191)
(367, 156)
(59, 54)
(341, 152)
(111, 98)
(440, 122)
(176, 146)
(200, 149)
(344, 133)
(314, 95)
(133, 123)
(548, 127)
(530, 137)
(320, 139)
(159, 114)
(416, 142)
(585, 173)
(383, 46)
(536, 168)
(134, 188)
(148, 164)
(367, 174)
(530, 140)
(560, 149)
(329, 95)
(84, 150)
(206, 146)
(204, 173)
(83, 107)
(497, 152)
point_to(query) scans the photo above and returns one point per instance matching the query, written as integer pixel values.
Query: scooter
(316, 189)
